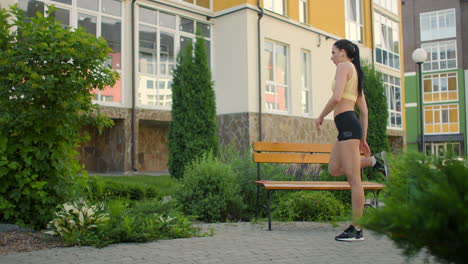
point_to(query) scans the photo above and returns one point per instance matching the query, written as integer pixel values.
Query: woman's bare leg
(350, 160)
(334, 165)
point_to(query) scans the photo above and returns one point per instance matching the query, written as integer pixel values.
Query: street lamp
(419, 56)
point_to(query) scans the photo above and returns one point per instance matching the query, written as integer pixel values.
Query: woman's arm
(363, 118)
(340, 82)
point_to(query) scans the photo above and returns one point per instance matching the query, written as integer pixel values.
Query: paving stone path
(244, 243)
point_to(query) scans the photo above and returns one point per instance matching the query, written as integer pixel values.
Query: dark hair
(352, 51)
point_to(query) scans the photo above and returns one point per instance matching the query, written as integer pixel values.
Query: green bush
(308, 206)
(193, 128)
(100, 189)
(245, 171)
(210, 191)
(47, 76)
(137, 221)
(425, 207)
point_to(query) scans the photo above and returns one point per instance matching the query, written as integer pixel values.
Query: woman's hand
(318, 122)
(364, 148)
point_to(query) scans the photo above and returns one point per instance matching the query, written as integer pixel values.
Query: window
(441, 119)
(387, 41)
(354, 21)
(303, 11)
(160, 36)
(440, 55)
(98, 17)
(393, 92)
(276, 67)
(200, 3)
(305, 82)
(438, 25)
(391, 5)
(440, 149)
(440, 87)
(277, 6)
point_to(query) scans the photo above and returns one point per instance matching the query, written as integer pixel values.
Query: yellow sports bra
(351, 87)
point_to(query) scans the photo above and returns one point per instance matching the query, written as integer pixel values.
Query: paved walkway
(244, 243)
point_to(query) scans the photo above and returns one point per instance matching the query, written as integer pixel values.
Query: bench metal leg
(268, 209)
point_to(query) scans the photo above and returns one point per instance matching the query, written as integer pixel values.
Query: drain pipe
(132, 146)
(259, 47)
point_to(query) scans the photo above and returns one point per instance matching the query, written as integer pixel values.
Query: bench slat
(291, 158)
(292, 147)
(315, 185)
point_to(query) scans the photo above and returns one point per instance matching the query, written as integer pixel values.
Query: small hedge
(309, 206)
(101, 190)
(210, 191)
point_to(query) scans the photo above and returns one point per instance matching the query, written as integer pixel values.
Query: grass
(164, 185)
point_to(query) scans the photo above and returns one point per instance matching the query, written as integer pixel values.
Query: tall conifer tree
(193, 129)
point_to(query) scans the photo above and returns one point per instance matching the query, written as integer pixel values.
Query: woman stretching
(352, 132)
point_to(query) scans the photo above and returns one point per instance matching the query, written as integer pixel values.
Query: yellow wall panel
(428, 129)
(292, 9)
(328, 16)
(453, 128)
(366, 6)
(219, 5)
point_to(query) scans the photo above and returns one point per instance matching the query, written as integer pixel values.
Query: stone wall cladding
(104, 152)
(153, 151)
(282, 128)
(234, 129)
(242, 129)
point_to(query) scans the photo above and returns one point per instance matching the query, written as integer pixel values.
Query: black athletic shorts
(348, 126)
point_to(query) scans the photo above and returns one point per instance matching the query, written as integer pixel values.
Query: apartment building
(438, 27)
(270, 61)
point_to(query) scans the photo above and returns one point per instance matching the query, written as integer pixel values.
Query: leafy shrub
(425, 207)
(47, 76)
(143, 221)
(210, 191)
(101, 190)
(75, 219)
(135, 221)
(308, 206)
(245, 171)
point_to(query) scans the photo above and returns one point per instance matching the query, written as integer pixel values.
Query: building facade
(438, 27)
(270, 61)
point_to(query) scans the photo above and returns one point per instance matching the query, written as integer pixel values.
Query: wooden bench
(272, 152)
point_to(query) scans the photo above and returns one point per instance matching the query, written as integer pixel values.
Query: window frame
(439, 76)
(432, 108)
(305, 12)
(156, 76)
(358, 24)
(274, 83)
(272, 8)
(429, 32)
(439, 45)
(74, 12)
(391, 97)
(387, 54)
(306, 86)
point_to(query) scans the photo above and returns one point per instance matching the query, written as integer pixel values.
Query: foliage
(308, 206)
(76, 219)
(47, 74)
(378, 110)
(425, 207)
(193, 130)
(101, 189)
(210, 191)
(245, 171)
(135, 221)
(376, 99)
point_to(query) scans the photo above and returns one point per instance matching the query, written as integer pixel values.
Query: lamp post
(419, 56)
